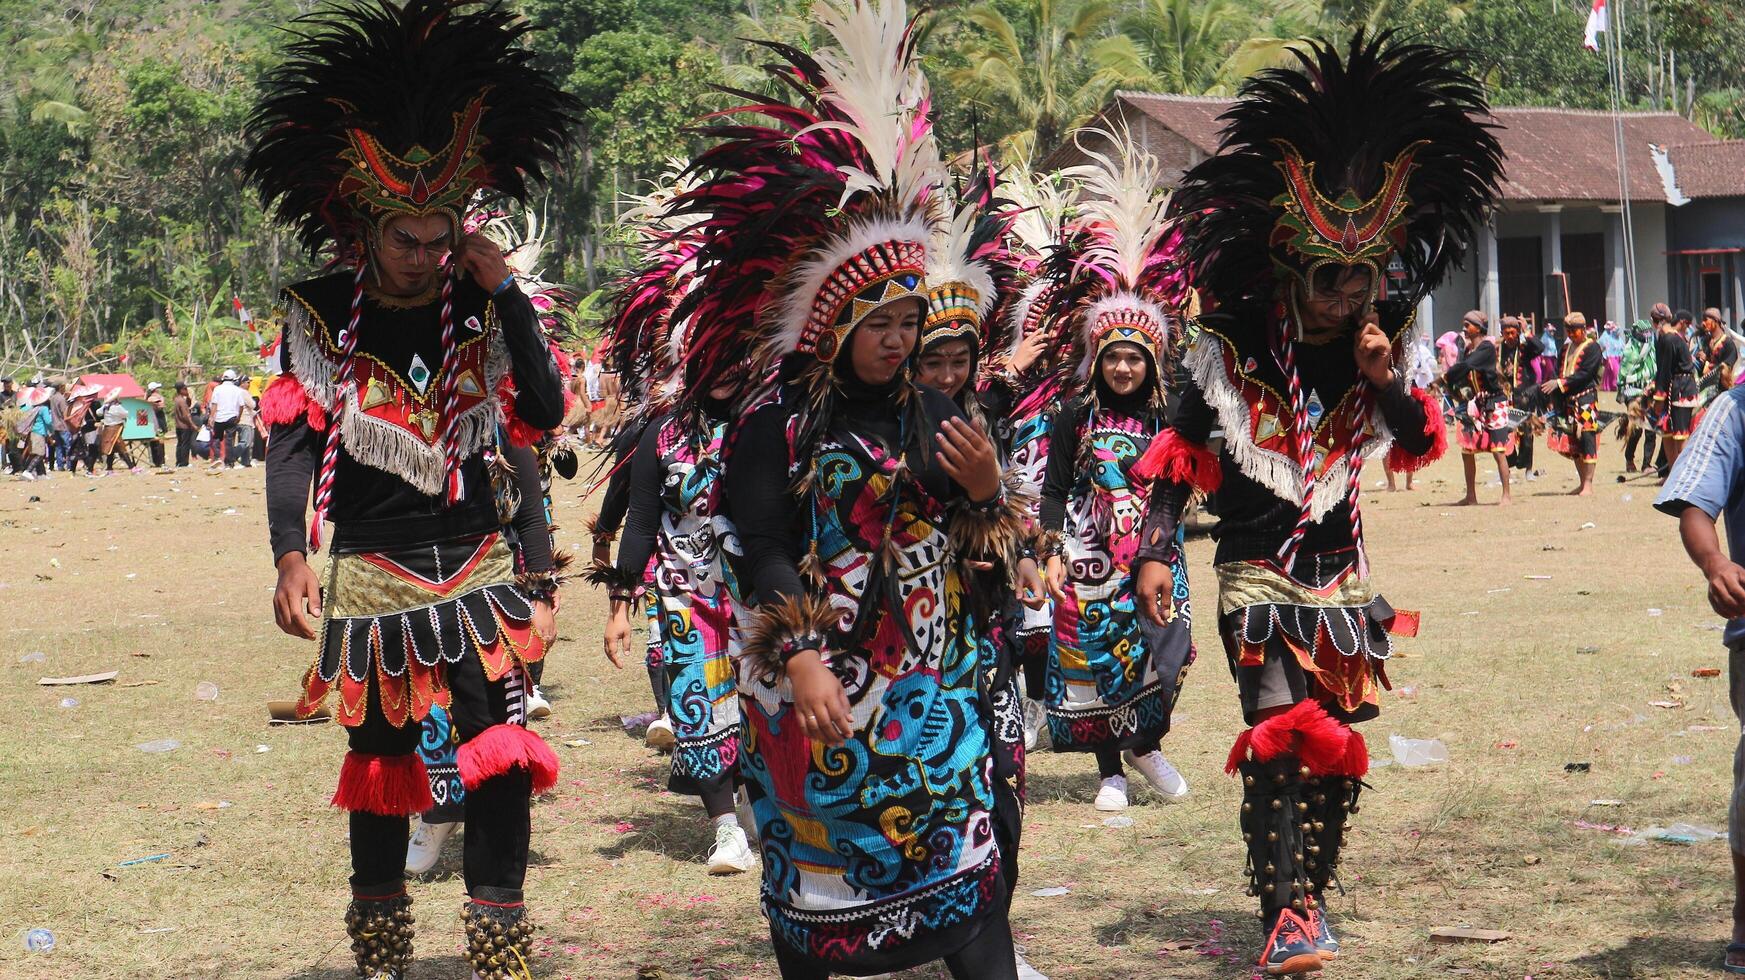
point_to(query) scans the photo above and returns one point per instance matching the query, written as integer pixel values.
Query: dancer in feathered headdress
(1113, 678)
(676, 539)
(1364, 159)
(1025, 361)
(857, 496)
(405, 371)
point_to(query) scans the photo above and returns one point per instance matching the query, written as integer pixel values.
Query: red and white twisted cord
(450, 391)
(1304, 430)
(1360, 416)
(342, 380)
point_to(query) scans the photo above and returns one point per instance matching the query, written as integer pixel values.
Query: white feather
(948, 261)
(1124, 208)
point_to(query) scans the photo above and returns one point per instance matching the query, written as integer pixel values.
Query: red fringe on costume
(500, 748)
(520, 433)
(389, 785)
(1327, 746)
(1435, 427)
(1173, 458)
(284, 401)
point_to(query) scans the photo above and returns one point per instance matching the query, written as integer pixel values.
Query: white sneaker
(660, 735)
(1113, 794)
(1163, 777)
(1025, 970)
(537, 705)
(426, 845)
(1035, 718)
(731, 854)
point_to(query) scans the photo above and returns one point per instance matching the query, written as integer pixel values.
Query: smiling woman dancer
(1112, 678)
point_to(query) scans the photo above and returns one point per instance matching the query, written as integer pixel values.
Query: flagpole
(1614, 55)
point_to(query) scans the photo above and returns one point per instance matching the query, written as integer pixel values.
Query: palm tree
(1187, 41)
(1047, 69)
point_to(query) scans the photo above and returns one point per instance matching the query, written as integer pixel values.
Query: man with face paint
(416, 378)
(1515, 369)
(1362, 158)
(860, 499)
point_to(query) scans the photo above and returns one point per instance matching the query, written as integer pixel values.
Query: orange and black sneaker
(1290, 947)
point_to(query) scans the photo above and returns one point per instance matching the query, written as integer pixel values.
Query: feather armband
(993, 529)
(786, 626)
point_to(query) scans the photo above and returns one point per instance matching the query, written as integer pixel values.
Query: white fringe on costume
(1275, 471)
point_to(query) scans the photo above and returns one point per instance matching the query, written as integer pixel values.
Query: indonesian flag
(1596, 23)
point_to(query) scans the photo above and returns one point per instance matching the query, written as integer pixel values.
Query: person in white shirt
(228, 403)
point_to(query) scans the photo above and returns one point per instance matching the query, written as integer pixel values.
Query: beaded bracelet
(793, 646)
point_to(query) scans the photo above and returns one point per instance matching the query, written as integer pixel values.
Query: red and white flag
(1596, 24)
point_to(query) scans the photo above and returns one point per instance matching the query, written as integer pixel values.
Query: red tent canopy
(109, 383)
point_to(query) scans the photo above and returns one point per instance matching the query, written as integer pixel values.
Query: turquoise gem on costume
(418, 374)
(1315, 408)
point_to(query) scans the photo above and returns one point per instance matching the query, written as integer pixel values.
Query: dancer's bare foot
(1467, 502)
(1506, 501)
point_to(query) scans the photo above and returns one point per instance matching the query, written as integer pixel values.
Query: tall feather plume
(399, 72)
(842, 155)
(1350, 111)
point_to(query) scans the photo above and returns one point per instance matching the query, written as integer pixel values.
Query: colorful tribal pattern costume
(1113, 677)
(888, 849)
(1366, 157)
(677, 520)
(410, 417)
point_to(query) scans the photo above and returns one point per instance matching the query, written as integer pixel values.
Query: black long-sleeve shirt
(771, 519)
(369, 503)
(1062, 473)
(1672, 357)
(1477, 370)
(1582, 372)
(616, 501)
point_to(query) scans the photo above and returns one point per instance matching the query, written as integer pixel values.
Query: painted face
(410, 253)
(1338, 294)
(946, 367)
(1471, 332)
(1123, 368)
(884, 339)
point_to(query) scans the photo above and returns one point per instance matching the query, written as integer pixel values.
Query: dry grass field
(1550, 630)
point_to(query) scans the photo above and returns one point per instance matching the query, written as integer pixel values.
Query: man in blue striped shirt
(1708, 480)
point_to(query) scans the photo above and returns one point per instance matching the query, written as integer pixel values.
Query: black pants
(498, 810)
(1034, 651)
(989, 956)
(157, 452)
(184, 446)
(119, 450)
(223, 441)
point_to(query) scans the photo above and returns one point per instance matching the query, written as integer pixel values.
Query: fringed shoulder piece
(284, 402)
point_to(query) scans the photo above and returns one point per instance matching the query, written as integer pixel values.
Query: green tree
(1048, 66)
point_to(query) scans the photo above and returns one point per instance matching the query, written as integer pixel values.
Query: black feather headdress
(383, 109)
(1353, 157)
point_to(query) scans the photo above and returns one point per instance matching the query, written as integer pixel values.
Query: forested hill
(124, 229)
